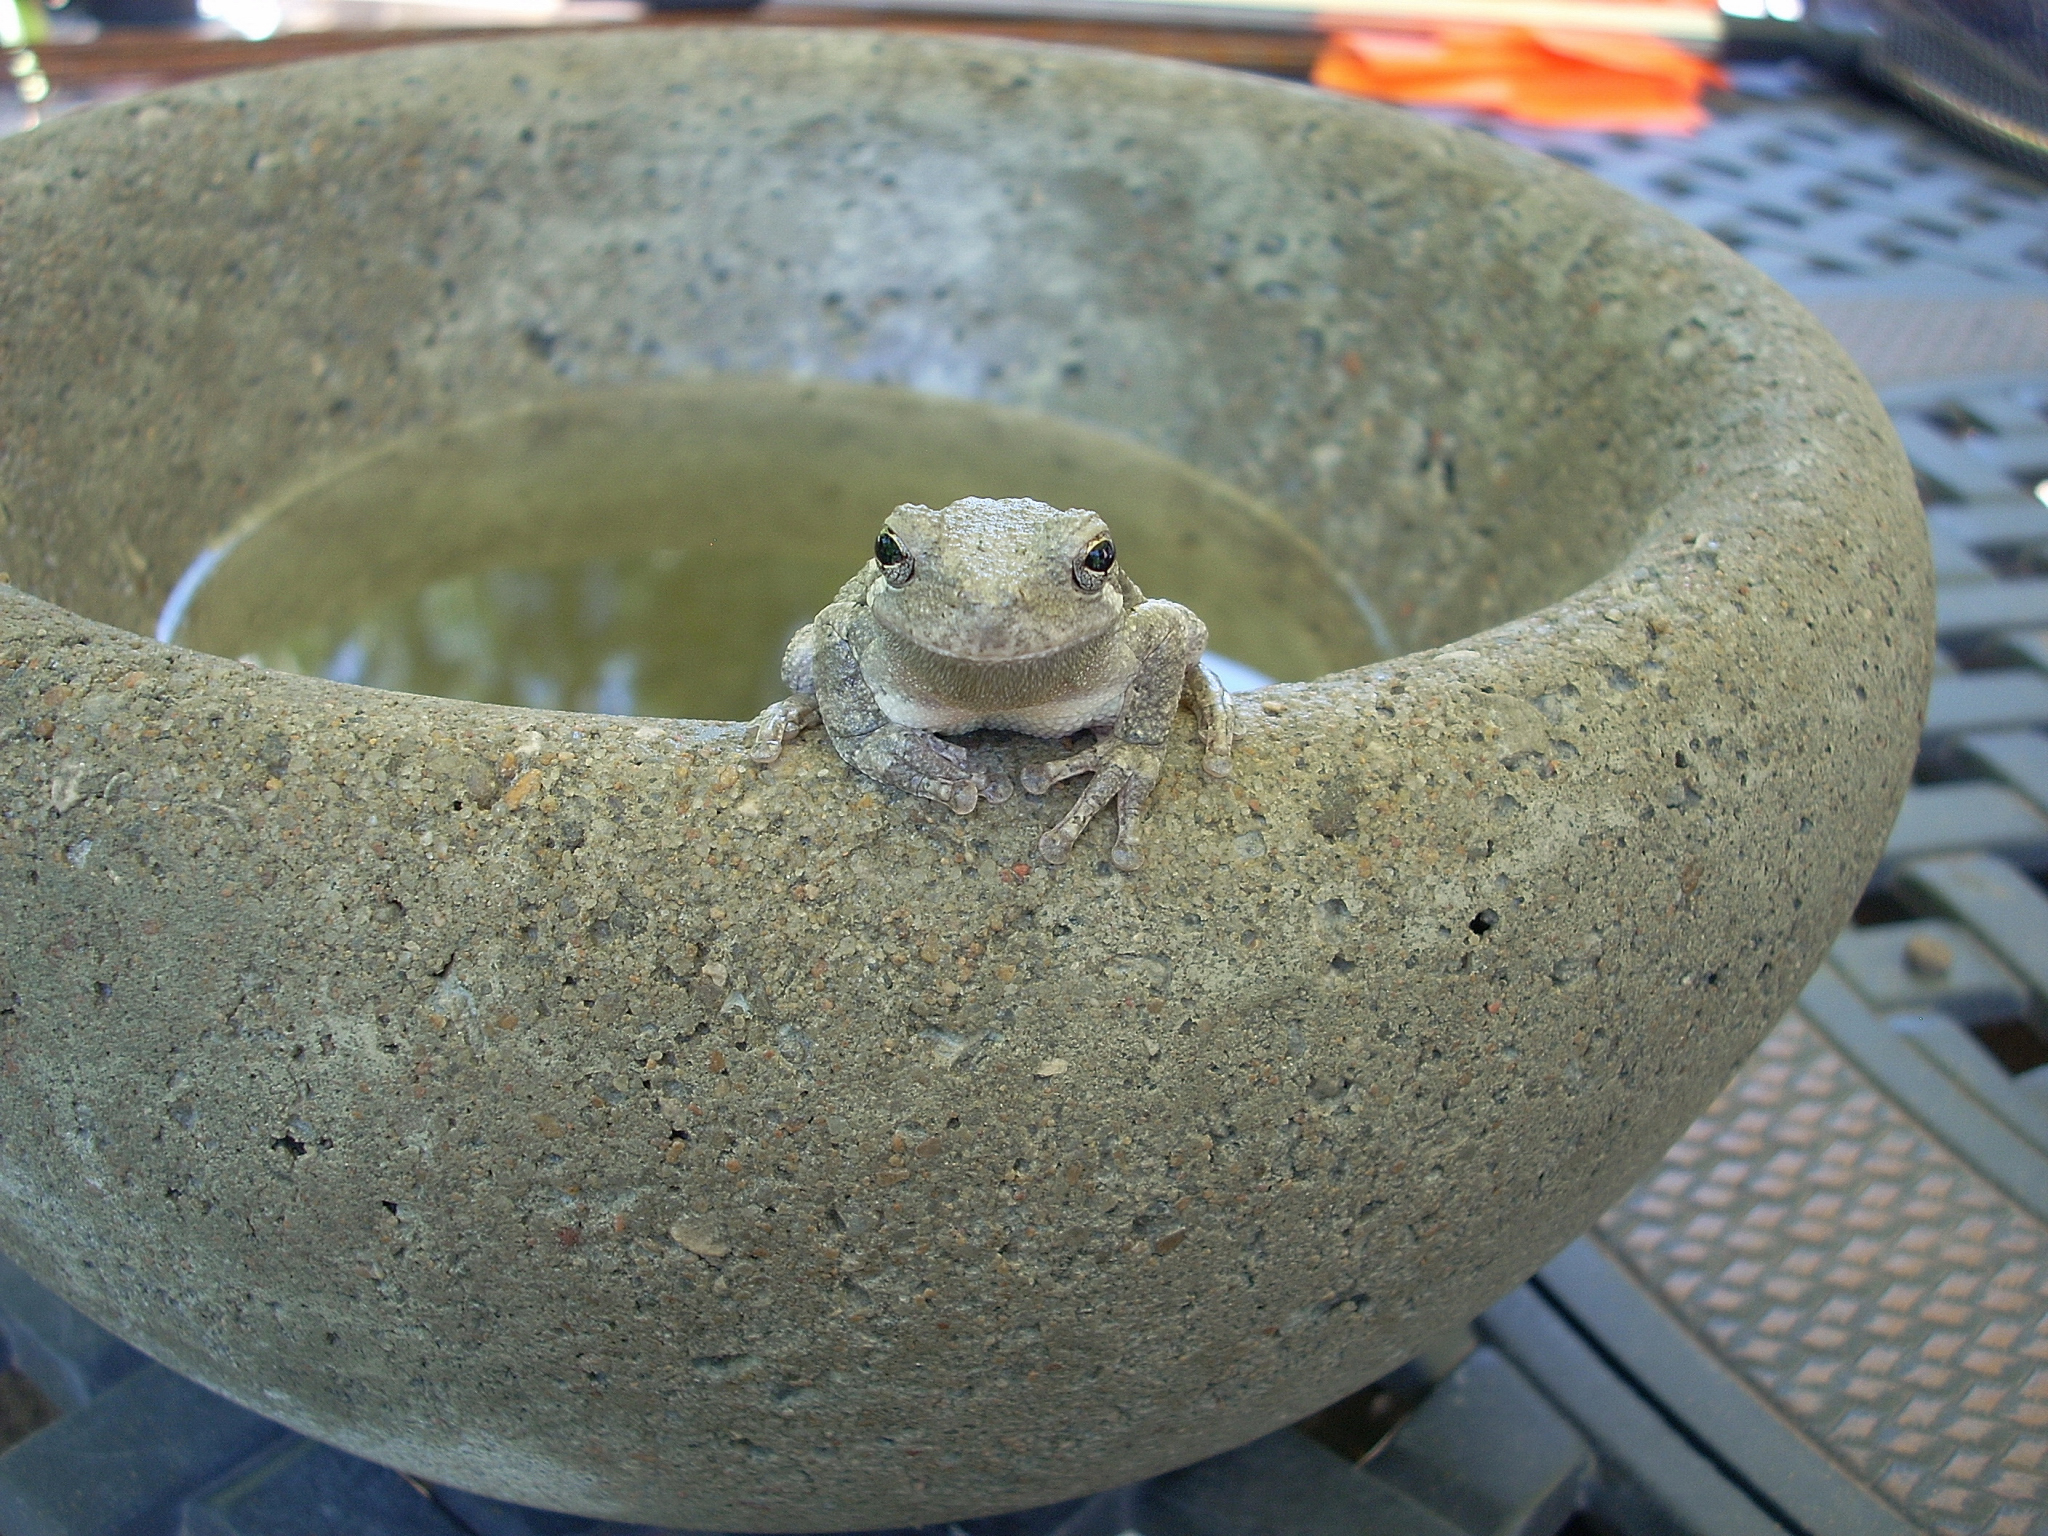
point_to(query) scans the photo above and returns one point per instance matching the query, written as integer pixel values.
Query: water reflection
(650, 550)
(596, 636)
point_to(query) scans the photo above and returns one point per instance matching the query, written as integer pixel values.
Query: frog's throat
(1013, 682)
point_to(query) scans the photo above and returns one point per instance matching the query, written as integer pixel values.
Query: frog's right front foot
(926, 765)
(778, 723)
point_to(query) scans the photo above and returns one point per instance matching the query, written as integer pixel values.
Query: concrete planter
(559, 1107)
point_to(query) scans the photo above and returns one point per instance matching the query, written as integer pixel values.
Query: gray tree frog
(1005, 615)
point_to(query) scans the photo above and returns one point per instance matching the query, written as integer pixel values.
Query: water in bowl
(648, 550)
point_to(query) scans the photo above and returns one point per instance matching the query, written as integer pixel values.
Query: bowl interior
(1341, 392)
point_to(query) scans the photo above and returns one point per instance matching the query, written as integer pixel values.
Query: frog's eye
(893, 558)
(1093, 569)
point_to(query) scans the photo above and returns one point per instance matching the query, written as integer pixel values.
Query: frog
(1001, 614)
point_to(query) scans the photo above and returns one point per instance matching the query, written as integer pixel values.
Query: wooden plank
(169, 57)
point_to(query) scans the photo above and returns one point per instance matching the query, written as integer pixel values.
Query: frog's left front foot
(1124, 771)
(924, 764)
(779, 723)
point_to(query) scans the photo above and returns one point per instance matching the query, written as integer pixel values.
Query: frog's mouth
(1000, 636)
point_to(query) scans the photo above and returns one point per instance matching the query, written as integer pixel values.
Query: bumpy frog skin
(1000, 615)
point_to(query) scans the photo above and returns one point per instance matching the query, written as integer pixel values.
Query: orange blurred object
(1596, 80)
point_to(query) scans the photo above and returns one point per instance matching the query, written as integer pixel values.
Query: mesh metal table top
(1828, 193)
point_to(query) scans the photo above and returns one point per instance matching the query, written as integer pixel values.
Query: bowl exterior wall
(568, 1108)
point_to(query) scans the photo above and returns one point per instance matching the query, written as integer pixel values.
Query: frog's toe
(779, 723)
(1053, 848)
(1039, 777)
(957, 794)
(996, 788)
(1217, 765)
(1126, 857)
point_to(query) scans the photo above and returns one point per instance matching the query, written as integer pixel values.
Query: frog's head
(986, 580)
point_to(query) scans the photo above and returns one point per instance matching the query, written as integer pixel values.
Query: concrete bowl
(563, 1108)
